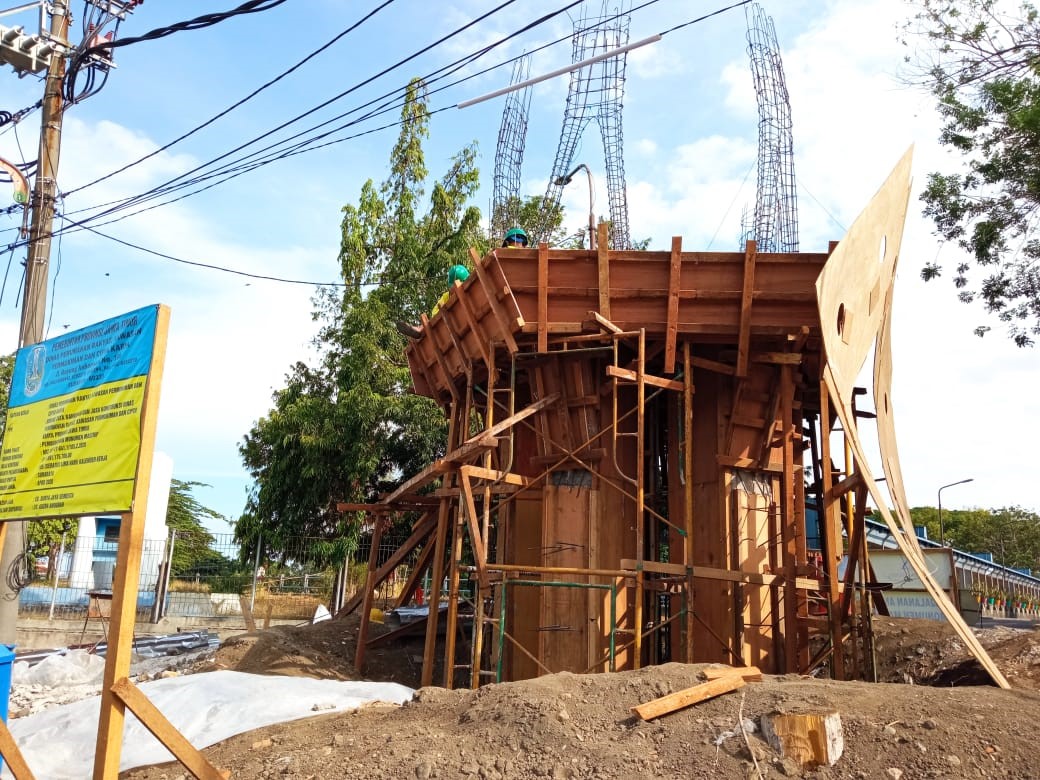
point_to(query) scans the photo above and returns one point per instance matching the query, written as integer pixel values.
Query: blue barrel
(6, 662)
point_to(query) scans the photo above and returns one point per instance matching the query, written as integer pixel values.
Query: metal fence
(200, 578)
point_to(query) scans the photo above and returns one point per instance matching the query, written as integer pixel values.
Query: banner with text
(74, 420)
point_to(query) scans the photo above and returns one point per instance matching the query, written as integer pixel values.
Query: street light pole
(563, 181)
(942, 529)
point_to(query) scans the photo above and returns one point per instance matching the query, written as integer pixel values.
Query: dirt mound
(928, 652)
(323, 650)
(573, 726)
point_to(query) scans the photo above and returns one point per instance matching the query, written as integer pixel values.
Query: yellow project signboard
(73, 431)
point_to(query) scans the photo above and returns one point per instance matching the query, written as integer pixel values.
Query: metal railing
(195, 577)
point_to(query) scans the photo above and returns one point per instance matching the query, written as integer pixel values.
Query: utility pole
(37, 264)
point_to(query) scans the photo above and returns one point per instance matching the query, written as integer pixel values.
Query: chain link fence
(202, 577)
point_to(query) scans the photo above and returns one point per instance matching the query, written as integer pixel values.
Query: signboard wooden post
(80, 437)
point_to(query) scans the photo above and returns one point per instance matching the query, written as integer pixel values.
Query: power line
(237, 272)
(325, 103)
(165, 188)
(237, 168)
(238, 103)
(102, 51)
(210, 266)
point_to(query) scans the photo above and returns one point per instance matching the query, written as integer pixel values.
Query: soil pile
(573, 726)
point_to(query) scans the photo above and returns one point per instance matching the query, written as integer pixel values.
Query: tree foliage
(192, 548)
(1011, 534)
(6, 371)
(347, 428)
(981, 60)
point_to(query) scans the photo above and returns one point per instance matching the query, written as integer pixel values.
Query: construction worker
(515, 238)
(457, 273)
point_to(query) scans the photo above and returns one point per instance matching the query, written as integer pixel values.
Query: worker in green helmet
(457, 273)
(515, 238)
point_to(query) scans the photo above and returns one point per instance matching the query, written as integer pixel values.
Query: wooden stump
(811, 739)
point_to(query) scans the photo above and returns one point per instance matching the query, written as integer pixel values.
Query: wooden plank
(688, 696)
(745, 463)
(433, 598)
(406, 629)
(654, 566)
(473, 524)
(851, 482)
(543, 297)
(471, 319)
(778, 358)
(788, 526)
(505, 326)
(688, 524)
(109, 746)
(368, 594)
(851, 328)
(247, 613)
(479, 472)
(746, 673)
(672, 328)
(422, 530)
(438, 354)
(727, 575)
(421, 565)
(713, 365)
(832, 537)
(744, 332)
(603, 322)
(656, 381)
(603, 269)
(12, 755)
(164, 731)
(475, 446)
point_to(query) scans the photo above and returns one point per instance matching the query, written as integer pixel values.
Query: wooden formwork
(623, 483)
(637, 443)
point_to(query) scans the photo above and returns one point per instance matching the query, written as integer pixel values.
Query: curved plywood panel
(854, 292)
(886, 426)
(852, 288)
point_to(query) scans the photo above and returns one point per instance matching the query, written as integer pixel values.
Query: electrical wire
(240, 102)
(429, 79)
(309, 144)
(236, 272)
(325, 103)
(54, 286)
(102, 52)
(445, 70)
(172, 184)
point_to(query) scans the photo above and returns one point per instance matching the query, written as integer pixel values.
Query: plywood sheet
(854, 299)
(852, 288)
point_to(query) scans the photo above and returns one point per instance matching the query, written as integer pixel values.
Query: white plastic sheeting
(206, 708)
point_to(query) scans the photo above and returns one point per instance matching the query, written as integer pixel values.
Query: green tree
(980, 60)
(186, 515)
(1011, 534)
(6, 371)
(347, 428)
(43, 539)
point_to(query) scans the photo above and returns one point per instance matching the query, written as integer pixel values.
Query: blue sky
(964, 405)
